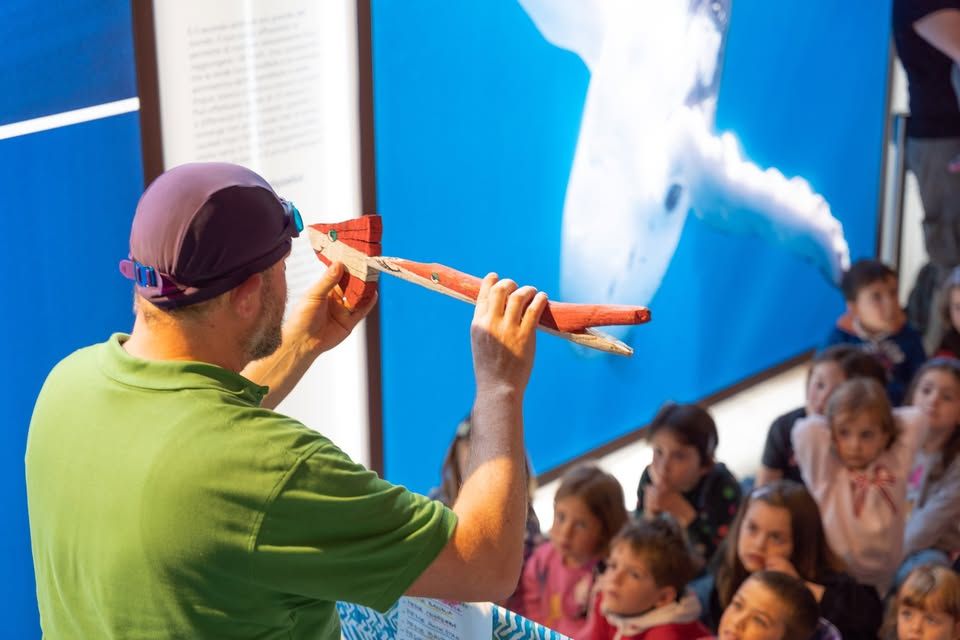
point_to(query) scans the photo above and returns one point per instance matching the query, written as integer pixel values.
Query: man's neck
(173, 341)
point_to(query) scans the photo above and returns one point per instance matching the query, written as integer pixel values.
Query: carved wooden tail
(363, 234)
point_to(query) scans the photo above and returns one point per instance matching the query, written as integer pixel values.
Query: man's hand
(321, 320)
(503, 334)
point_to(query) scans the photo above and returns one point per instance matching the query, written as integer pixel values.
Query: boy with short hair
(642, 592)
(876, 323)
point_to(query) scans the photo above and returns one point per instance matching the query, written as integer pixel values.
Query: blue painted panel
(59, 56)
(68, 197)
(477, 120)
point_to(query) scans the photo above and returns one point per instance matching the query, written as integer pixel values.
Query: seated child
(856, 462)
(933, 487)
(685, 481)
(770, 606)
(828, 369)
(927, 606)
(643, 589)
(778, 528)
(950, 310)
(875, 321)
(452, 476)
(558, 579)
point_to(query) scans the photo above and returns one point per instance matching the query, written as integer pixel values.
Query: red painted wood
(563, 316)
(362, 234)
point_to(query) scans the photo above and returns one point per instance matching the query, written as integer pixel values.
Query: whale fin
(736, 196)
(575, 25)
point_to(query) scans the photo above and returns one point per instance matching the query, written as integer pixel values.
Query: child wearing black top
(685, 481)
(779, 529)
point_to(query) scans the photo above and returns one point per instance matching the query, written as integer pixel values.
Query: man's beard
(269, 335)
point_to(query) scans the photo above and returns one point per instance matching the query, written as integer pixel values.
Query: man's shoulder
(78, 363)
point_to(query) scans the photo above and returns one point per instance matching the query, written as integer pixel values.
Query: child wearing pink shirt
(856, 462)
(558, 579)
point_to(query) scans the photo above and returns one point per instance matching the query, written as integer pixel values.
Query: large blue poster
(718, 161)
(68, 195)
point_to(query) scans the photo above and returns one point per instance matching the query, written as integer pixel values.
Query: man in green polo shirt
(168, 500)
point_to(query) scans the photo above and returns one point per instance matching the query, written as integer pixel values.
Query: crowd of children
(855, 509)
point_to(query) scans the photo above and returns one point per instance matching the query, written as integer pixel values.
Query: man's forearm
(493, 499)
(280, 371)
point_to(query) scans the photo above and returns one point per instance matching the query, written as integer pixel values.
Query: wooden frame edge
(148, 88)
(368, 203)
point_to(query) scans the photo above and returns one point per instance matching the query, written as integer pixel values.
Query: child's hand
(676, 505)
(781, 564)
(651, 500)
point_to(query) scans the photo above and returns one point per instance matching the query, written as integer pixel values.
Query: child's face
(575, 531)
(955, 307)
(937, 395)
(914, 623)
(755, 613)
(765, 532)
(858, 439)
(824, 378)
(877, 306)
(627, 585)
(676, 466)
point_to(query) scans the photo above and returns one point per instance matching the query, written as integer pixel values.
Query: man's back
(164, 502)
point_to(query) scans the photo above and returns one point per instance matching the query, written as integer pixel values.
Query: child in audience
(589, 509)
(876, 322)
(778, 528)
(856, 463)
(770, 606)
(685, 481)
(829, 368)
(642, 591)
(950, 305)
(927, 606)
(933, 487)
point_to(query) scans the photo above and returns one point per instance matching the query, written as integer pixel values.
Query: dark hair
(835, 353)
(862, 274)
(811, 553)
(951, 448)
(691, 424)
(862, 394)
(804, 612)
(929, 588)
(861, 364)
(602, 494)
(664, 548)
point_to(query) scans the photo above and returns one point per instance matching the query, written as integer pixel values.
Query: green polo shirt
(166, 503)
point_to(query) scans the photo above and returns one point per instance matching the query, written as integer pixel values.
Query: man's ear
(665, 595)
(245, 297)
(852, 307)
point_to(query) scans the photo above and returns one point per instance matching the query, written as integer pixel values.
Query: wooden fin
(361, 235)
